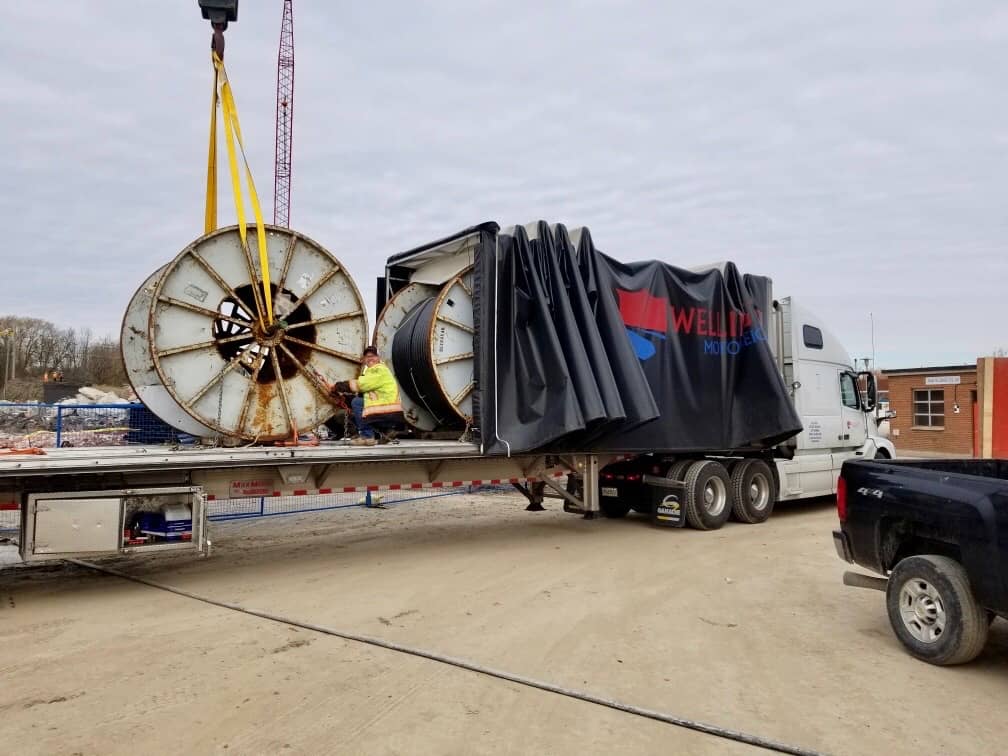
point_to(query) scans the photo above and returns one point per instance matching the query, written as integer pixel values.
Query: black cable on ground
(413, 364)
(690, 724)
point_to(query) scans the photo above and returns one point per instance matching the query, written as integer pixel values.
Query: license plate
(608, 491)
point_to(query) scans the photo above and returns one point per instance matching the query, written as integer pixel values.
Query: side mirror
(870, 396)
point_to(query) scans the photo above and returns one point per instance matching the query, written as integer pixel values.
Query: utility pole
(871, 317)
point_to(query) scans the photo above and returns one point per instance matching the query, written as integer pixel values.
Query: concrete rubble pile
(81, 422)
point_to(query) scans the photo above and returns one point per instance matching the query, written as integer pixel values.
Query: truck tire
(678, 469)
(753, 491)
(708, 500)
(933, 611)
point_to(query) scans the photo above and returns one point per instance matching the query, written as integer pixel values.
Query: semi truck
(524, 355)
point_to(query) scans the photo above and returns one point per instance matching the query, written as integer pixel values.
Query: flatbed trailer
(79, 502)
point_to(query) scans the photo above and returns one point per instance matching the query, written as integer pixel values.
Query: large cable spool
(220, 363)
(391, 319)
(432, 351)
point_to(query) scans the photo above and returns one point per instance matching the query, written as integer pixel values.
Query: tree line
(32, 347)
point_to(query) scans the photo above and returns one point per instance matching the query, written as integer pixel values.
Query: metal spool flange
(391, 317)
(136, 351)
(220, 363)
(451, 343)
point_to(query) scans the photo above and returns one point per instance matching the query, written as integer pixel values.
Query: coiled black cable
(413, 364)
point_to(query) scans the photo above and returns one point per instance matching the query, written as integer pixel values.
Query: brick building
(934, 408)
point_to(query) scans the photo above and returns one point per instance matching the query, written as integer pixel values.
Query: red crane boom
(284, 119)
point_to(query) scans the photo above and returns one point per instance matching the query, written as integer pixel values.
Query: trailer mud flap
(666, 497)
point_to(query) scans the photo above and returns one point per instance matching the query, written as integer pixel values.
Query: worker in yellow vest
(380, 404)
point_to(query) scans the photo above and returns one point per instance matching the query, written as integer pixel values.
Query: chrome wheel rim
(922, 610)
(759, 492)
(715, 496)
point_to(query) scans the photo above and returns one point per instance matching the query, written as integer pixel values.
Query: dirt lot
(748, 628)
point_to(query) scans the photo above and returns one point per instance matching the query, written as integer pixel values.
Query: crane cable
(232, 133)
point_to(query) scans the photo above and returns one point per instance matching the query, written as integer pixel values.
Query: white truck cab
(838, 419)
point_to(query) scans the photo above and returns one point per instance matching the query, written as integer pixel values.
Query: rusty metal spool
(215, 358)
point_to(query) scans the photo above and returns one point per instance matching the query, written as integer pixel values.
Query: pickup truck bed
(938, 529)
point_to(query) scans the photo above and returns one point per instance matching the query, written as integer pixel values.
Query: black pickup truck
(938, 529)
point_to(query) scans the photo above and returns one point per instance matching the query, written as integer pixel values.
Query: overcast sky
(855, 152)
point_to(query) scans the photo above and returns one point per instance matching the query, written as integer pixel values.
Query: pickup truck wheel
(933, 612)
(753, 491)
(708, 501)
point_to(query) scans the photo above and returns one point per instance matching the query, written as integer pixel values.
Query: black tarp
(578, 352)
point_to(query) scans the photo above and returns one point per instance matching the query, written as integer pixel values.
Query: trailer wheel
(753, 491)
(678, 469)
(933, 611)
(708, 502)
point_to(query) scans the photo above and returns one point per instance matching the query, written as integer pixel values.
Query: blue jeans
(365, 430)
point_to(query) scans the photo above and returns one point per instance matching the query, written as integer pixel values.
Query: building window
(848, 391)
(929, 408)
(812, 337)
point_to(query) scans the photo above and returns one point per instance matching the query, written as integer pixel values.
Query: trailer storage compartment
(63, 524)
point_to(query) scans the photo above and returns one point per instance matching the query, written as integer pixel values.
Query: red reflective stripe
(301, 492)
(416, 485)
(457, 483)
(325, 490)
(372, 488)
(437, 484)
(9, 506)
(277, 493)
(395, 487)
(348, 489)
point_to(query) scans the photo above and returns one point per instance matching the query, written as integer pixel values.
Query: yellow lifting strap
(232, 133)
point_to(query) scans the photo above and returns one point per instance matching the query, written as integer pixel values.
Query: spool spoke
(303, 369)
(248, 394)
(326, 319)
(457, 399)
(322, 281)
(232, 364)
(214, 274)
(204, 345)
(254, 281)
(465, 288)
(325, 350)
(455, 358)
(283, 392)
(203, 311)
(452, 322)
(288, 259)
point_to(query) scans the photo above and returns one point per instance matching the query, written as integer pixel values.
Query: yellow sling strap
(232, 134)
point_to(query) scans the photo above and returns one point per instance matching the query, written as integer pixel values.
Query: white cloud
(855, 153)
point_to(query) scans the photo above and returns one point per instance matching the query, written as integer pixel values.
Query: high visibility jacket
(381, 393)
